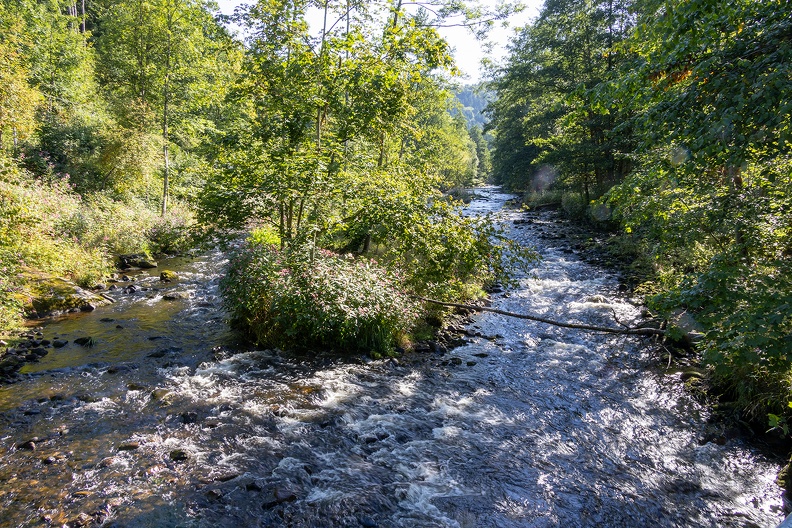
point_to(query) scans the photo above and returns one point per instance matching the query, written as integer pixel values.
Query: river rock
(82, 519)
(597, 299)
(11, 363)
(106, 462)
(188, 417)
(28, 445)
(115, 369)
(129, 446)
(176, 296)
(160, 394)
(47, 295)
(179, 455)
(136, 260)
(168, 276)
(279, 496)
(84, 341)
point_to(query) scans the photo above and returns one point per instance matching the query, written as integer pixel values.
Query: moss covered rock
(168, 276)
(45, 295)
(136, 260)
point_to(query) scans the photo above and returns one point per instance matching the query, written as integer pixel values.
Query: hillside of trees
(670, 119)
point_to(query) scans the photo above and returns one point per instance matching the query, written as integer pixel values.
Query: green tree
(18, 99)
(157, 59)
(483, 156)
(547, 112)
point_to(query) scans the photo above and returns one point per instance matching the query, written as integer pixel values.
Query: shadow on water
(524, 426)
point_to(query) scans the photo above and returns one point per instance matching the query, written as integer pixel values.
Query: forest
(669, 121)
(145, 127)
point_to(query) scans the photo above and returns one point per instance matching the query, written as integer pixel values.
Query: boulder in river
(179, 455)
(85, 341)
(280, 494)
(176, 296)
(168, 276)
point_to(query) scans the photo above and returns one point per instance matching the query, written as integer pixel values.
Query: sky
(468, 51)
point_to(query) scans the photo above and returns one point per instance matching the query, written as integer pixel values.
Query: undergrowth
(48, 228)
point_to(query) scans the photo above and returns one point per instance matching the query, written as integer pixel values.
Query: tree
(345, 138)
(157, 57)
(18, 99)
(483, 156)
(547, 112)
(712, 196)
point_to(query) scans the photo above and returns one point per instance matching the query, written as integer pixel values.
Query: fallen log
(593, 328)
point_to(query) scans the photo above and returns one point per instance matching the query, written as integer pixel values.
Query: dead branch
(593, 328)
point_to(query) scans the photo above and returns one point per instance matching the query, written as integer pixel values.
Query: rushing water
(159, 424)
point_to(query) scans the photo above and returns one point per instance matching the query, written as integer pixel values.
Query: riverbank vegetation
(129, 127)
(106, 115)
(670, 120)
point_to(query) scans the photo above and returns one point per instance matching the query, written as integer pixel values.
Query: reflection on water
(531, 426)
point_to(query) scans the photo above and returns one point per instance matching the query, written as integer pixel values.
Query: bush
(573, 205)
(288, 299)
(130, 226)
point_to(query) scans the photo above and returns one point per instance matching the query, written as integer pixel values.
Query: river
(165, 421)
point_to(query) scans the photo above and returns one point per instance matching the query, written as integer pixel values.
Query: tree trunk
(165, 139)
(165, 116)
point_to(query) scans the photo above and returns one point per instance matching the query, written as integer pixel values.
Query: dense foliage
(122, 120)
(295, 300)
(677, 114)
(106, 112)
(343, 141)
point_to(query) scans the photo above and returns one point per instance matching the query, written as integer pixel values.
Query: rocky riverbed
(166, 421)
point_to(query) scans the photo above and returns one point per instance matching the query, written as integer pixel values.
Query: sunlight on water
(163, 423)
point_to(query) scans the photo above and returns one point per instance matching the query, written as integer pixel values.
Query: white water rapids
(525, 426)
